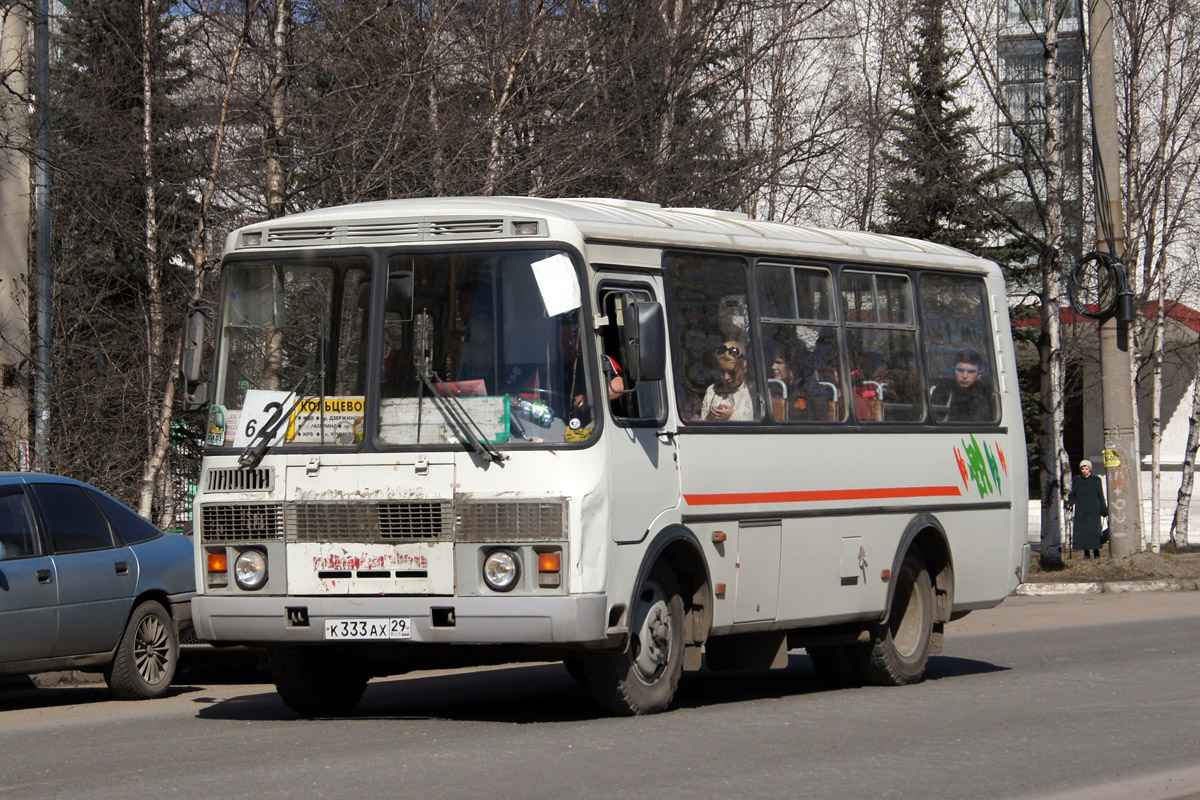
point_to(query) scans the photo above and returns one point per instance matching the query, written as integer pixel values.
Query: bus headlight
(501, 570)
(250, 569)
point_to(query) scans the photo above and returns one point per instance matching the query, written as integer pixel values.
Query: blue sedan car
(86, 583)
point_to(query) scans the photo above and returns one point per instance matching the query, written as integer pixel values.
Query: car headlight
(250, 569)
(501, 570)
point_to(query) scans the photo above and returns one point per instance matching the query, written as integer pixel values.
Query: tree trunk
(277, 91)
(1156, 418)
(159, 428)
(1183, 505)
(1056, 467)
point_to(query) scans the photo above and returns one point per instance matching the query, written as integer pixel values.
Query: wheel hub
(150, 650)
(653, 643)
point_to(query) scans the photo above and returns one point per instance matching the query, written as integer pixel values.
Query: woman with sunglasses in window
(729, 398)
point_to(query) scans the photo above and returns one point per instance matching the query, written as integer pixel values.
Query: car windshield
(477, 347)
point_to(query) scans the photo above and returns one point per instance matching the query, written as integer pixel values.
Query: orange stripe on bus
(821, 495)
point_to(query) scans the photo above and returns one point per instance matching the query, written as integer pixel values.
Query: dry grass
(1140, 567)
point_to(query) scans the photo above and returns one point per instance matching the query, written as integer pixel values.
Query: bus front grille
(386, 522)
(370, 523)
(240, 522)
(510, 521)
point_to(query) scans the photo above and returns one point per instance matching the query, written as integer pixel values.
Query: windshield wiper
(464, 425)
(460, 420)
(253, 453)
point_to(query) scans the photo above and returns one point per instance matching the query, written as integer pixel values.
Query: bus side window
(881, 336)
(709, 325)
(958, 354)
(800, 343)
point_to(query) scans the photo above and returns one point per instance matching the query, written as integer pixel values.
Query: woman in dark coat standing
(1087, 498)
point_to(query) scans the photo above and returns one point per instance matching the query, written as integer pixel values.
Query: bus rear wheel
(316, 681)
(899, 647)
(644, 678)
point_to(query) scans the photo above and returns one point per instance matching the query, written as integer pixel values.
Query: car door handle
(122, 567)
(45, 576)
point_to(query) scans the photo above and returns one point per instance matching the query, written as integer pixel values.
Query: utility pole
(14, 246)
(1117, 385)
(44, 282)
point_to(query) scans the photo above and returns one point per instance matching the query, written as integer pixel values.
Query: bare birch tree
(1160, 132)
(1039, 161)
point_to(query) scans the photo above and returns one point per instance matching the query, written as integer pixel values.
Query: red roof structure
(1184, 315)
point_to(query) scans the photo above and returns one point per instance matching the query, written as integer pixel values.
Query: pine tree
(942, 190)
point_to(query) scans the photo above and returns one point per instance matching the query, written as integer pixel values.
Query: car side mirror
(645, 342)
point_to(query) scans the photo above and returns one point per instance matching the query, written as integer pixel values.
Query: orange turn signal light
(218, 562)
(550, 562)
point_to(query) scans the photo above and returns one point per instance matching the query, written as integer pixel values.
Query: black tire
(574, 667)
(835, 665)
(899, 648)
(316, 681)
(144, 663)
(644, 678)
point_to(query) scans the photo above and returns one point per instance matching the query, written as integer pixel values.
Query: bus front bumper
(465, 620)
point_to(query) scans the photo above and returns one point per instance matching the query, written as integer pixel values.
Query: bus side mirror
(645, 341)
(191, 359)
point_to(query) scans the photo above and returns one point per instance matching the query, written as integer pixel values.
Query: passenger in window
(786, 390)
(970, 394)
(574, 387)
(729, 398)
(822, 384)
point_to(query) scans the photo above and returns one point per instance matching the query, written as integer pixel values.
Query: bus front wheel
(315, 681)
(643, 679)
(898, 650)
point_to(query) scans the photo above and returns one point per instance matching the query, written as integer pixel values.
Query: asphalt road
(1064, 697)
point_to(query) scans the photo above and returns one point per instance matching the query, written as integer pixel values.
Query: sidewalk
(1143, 572)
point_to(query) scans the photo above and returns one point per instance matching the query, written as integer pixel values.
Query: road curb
(48, 680)
(1105, 587)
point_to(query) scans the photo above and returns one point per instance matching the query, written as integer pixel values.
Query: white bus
(473, 430)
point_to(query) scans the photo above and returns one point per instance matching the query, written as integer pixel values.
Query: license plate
(374, 628)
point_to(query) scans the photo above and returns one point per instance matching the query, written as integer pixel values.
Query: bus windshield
(498, 334)
(483, 346)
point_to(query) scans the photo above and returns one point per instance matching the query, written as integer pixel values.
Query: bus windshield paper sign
(557, 282)
(262, 408)
(341, 422)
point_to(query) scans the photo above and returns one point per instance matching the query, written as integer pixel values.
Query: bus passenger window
(882, 343)
(959, 358)
(709, 319)
(801, 344)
